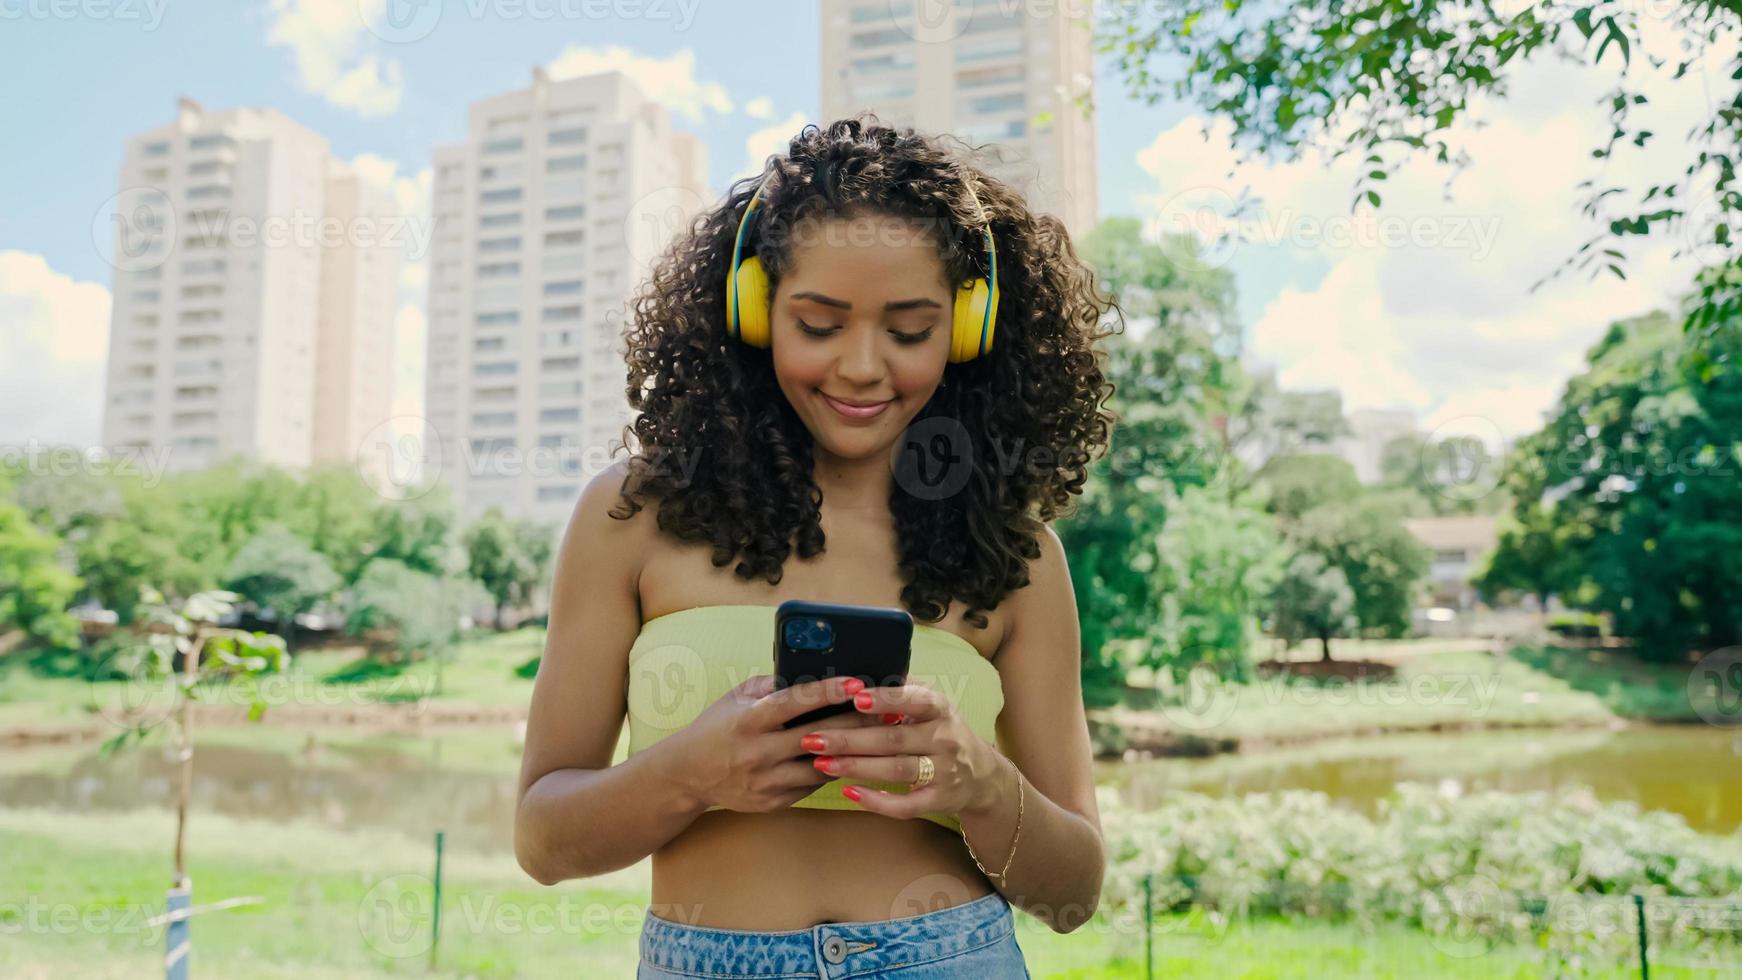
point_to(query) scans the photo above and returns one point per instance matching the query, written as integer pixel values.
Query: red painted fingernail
(863, 700)
(825, 762)
(853, 685)
(890, 718)
(812, 742)
(851, 793)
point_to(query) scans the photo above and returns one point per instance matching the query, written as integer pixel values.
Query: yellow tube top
(684, 661)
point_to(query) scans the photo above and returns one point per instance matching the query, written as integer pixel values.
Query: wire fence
(1471, 918)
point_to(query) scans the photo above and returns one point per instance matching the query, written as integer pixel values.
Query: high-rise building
(989, 71)
(354, 363)
(541, 235)
(221, 294)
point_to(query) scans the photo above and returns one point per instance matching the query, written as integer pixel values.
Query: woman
(821, 365)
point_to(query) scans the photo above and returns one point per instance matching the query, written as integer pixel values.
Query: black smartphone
(816, 640)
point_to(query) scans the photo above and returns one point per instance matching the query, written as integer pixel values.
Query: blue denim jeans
(975, 939)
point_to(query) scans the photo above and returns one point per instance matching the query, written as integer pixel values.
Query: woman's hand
(914, 721)
(737, 755)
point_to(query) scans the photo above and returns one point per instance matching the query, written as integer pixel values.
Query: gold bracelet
(999, 877)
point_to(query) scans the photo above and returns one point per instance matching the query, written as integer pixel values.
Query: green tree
(1313, 601)
(418, 533)
(34, 589)
(422, 611)
(508, 558)
(1219, 563)
(1385, 80)
(1293, 485)
(1381, 561)
(278, 571)
(1640, 460)
(1536, 554)
(1164, 379)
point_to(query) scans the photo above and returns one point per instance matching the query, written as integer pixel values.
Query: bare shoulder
(598, 537)
(1048, 600)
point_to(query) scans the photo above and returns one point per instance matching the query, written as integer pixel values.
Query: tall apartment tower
(542, 232)
(988, 71)
(221, 301)
(354, 363)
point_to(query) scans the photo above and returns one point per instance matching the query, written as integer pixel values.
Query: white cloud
(671, 81)
(327, 39)
(768, 141)
(1427, 304)
(54, 333)
(759, 108)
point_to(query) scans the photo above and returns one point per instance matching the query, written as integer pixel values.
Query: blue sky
(1447, 327)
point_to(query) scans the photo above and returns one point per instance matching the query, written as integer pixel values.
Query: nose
(860, 362)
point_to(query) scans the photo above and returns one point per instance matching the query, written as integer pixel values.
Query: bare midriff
(796, 868)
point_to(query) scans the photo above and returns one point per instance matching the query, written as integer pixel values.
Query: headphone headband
(975, 317)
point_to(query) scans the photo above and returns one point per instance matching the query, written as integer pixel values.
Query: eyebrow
(894, 307)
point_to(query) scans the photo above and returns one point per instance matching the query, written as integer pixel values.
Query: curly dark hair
(705, 397)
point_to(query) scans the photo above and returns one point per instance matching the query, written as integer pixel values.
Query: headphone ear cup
(972, 300)
(753, 298)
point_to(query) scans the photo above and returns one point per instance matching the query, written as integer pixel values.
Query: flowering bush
(1554, 869)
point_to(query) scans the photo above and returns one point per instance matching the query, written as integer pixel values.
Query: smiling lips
(856, 410)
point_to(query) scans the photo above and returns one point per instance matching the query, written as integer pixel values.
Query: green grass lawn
(1430, 692)
(75, 890)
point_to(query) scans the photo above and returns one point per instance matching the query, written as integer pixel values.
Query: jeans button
(834, 949)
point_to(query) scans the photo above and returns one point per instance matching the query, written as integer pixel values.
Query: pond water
(465, 783)
(1693, 770)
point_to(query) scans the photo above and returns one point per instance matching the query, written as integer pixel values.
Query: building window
(567, 137)
(493, 369)
(503, 195)
(551, 416)
(500, 244)
(567, 287)
(503, 220)
(514, 145)
(492, 418)
(564, 239)
(572, 212)
(498, 270)
(503, 318)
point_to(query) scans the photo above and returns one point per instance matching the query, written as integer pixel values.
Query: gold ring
(926, 770)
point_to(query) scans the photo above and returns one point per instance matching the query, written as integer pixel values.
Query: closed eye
(900, 337)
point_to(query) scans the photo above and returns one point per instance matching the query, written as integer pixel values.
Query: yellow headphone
(747, 295)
